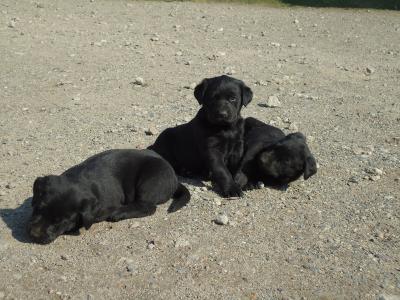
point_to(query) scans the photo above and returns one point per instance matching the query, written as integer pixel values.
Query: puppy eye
(232, 99)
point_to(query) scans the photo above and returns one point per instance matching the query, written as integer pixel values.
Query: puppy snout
(35, 232)
(223, 114)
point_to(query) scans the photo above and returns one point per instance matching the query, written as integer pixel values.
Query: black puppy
(112, 185)
(211, 144)
(273, 158)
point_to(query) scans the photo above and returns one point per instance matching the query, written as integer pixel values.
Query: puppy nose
(223, 113)
(35, 232)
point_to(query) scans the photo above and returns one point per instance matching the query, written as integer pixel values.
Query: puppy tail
(181, 197)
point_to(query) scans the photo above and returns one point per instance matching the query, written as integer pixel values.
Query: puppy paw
(241, 179)
(233, 191)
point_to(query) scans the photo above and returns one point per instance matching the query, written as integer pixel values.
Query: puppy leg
(133, 210)
(221, 176)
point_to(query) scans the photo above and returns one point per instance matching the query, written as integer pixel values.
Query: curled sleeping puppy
(273, 158)
(110, 186)
(211, 144)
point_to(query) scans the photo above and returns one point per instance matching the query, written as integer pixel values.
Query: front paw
(241, 179)
(233, 190)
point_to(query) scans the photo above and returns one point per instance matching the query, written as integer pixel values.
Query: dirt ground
(67, 91)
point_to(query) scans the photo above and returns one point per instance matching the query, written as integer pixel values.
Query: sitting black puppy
(112, 185)
(211, 144)
(273, 158)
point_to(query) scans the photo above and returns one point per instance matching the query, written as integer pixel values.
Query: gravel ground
(79, 77)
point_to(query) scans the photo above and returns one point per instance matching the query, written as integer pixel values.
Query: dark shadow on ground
(380, 4)
(17, 219)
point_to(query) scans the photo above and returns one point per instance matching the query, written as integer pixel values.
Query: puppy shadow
(17, 220)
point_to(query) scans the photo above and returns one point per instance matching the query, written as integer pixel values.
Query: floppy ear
(247, 94)
(86, 212)
(200, 90)
(310, 167)
(39, 186)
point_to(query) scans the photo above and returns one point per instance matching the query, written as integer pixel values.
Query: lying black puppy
(273, 158)
(112, 185)
(211, 144)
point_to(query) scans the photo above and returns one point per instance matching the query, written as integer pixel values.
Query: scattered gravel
(335, 235)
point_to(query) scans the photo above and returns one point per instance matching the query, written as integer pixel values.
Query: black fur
(110, 186)
(273, 158)
(211, 144)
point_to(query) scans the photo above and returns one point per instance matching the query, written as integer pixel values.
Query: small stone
(134, 224)
(275, 44)
(64, 257)
(25, 109)
(388, 297)
(188, 63)
(154, 39)
(354, 179)
(190, 86)
(292, 45)
(151, 245)
(10, 186)
(296, 21)
(374, 171)
(229, 71)
(370, 70)
(217, 201)
(221, 219)
(151, 131)
(293, 127)
(130, 266)
(139, 81)
(260, 185)
(179, 53)
(11, 24)
(272, 101)
(375, 177)
(181, 243)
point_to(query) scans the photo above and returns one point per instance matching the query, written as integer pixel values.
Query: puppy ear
(200, 90)
(39, 187)
(86, 212)
(310, 167)
(247, 94)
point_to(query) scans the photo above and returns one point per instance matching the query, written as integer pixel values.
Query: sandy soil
(67, 91)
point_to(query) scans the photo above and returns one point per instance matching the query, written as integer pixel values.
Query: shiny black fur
(110, 186)
(273, 158)
(211, 144)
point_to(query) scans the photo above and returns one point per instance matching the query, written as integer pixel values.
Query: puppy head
(287, 160)
(57, 208)
(222, 98)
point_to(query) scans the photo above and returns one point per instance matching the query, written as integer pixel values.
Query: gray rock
(272, 102)
(217, 201)
(354, 179)
(11, 24)
(370, 70)
(151, 131)
(293, 127)
(221, 219)
(139, 81)
(130, 266)
(181, 243)
(260, 185)
(375, 173)
(229, 71)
